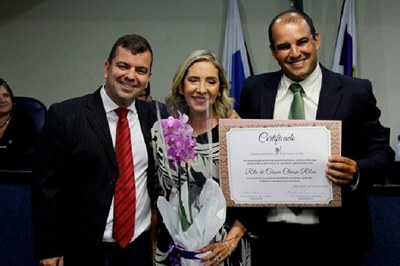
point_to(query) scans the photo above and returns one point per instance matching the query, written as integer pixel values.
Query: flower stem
(181, 209)
(188, 186)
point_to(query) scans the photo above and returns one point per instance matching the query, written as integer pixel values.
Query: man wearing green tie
(319, 236)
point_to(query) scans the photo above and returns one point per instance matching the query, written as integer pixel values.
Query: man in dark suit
(319, 236)
(76, 170)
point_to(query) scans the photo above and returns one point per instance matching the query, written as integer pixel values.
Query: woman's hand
(220, 251)
(217, 252)
(56, 261)
(232, 114)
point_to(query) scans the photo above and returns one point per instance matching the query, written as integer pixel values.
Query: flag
(345, 58)
(234, 57)
(297, 5)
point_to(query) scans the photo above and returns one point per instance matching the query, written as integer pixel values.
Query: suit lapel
(98, 121)
(330, 96)
(268, 95)
(329, 99)
(145, 120)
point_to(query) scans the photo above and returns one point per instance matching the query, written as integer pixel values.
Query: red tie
(125, 194)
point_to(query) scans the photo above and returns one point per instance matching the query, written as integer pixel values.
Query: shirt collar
(110, 106)
(307, 84)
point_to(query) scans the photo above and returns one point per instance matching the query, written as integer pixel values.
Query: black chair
(33, 107)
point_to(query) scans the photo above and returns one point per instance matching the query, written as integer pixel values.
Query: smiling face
(201, 82)
(127, 75)
(294, 47)
(5, 101)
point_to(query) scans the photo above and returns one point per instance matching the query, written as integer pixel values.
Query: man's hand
(341, 170)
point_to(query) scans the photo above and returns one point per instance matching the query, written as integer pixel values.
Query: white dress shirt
(140, 158)
(284, 97)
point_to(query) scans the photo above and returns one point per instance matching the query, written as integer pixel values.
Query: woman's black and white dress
(206, 165)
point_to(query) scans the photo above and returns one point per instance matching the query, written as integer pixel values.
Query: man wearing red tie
(94, 182)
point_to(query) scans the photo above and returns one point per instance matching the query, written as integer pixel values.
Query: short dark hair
(147, 90)
(134, 43)
(306, 17)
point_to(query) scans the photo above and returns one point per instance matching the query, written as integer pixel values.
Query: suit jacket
(351, 101)
(75, 174)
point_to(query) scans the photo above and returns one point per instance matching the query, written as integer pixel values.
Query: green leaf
(185, 223)
(182, 216)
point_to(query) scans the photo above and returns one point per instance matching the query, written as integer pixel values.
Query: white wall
(54, 49)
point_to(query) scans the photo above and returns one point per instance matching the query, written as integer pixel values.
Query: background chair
(33, 107)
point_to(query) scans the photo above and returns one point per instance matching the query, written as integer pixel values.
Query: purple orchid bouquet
(181, 150)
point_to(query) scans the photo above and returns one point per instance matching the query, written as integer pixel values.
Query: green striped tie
(296, 112)
(297, 107)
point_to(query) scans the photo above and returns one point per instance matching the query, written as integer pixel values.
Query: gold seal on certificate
(277, 163)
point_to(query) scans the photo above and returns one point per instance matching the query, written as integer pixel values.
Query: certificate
(276, 163)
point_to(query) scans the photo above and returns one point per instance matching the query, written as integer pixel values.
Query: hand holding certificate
(278, 163)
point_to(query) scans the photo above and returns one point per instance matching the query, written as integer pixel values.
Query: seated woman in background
(17, 133)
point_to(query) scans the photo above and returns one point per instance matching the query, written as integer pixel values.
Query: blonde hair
(176, 100)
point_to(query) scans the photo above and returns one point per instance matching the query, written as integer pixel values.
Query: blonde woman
(200, 90)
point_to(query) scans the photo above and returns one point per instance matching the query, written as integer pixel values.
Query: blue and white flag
(345, 59)
(234, 56)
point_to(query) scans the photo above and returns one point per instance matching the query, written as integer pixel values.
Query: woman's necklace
(6, 122)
